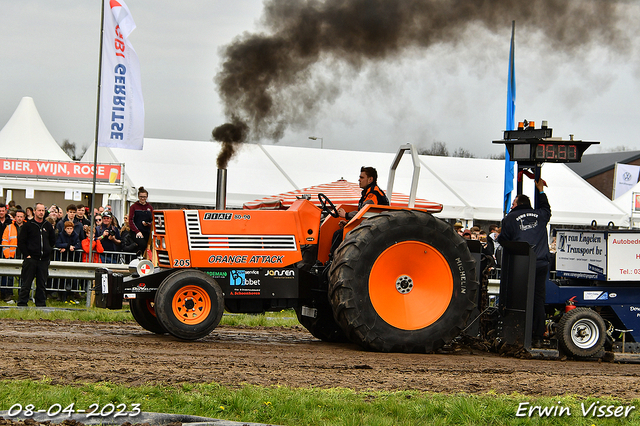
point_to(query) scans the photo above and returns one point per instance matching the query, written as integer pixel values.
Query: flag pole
(511, 110)
(95, 149)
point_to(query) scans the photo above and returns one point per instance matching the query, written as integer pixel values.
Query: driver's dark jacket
(371, 194)
(530, 225)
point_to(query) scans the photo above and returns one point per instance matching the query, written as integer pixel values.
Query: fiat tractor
(402, 280)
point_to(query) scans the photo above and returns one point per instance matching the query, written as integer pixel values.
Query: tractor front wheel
(189, 304)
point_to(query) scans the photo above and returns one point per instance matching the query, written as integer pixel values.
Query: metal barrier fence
(69, 272)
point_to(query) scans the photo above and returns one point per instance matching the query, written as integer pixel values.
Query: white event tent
(184, 172)
(25, 136)
(33, 167)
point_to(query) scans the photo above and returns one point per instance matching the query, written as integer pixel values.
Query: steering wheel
(327, 205)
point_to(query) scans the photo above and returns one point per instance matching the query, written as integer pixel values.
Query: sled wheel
(324, 326)
(403, 281)
(144, 313)
(582, 332)
(189, 304)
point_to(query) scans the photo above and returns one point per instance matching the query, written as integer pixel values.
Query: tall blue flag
(511, 121)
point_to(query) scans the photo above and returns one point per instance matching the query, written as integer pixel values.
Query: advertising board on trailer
(581, 254)
(599, 255)
(623, 259)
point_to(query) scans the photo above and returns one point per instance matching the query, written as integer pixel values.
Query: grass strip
(78, 312)
(289, 406)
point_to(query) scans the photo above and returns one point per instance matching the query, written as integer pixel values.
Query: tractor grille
(251, 242)
(158, 219)
(163, 257)
(198, 241)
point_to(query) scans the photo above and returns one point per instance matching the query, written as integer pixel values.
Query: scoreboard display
(548, 152)
(533, 146)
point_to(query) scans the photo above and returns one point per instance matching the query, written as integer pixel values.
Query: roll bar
(416, 172)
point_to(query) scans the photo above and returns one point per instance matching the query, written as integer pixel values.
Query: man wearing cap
(109, 236)
(458, 228)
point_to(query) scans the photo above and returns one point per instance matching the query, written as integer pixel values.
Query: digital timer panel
(530, 146)
(554, 152)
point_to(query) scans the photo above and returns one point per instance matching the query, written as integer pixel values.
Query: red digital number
(551, 152)
(562, 152)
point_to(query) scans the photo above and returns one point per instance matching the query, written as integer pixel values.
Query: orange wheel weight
(191, 304)
(410, 285)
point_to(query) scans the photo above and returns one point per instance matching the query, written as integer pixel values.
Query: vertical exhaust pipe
(221, 190)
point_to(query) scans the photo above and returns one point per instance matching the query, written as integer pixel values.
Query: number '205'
(181, 263)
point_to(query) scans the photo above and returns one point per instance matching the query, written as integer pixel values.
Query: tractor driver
(524, 223)
(371, 194)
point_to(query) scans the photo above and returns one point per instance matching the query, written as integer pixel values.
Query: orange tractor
(401, 280)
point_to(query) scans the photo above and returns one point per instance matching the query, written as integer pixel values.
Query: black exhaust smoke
(266, 82)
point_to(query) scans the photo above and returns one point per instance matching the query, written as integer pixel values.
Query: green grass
(284, 318)
(79, 312)
(287, 406)
(73, 312)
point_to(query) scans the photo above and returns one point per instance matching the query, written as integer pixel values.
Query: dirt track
(70, 352)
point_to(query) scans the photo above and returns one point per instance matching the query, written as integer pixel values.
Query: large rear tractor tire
(143, 311)
(581, 332)
(403, 281)
(189, 304)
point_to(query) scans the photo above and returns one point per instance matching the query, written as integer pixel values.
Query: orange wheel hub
(191, 304)
(410, 285)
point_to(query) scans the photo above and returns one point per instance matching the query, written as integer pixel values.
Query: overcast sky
(450, 93)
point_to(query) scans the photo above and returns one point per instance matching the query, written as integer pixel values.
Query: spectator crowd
(491, 251)
(38, 235)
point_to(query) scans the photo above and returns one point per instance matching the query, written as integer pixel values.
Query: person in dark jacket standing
(524, 223)
(141, 218)
(35, 242)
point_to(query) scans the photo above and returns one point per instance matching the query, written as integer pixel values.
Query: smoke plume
(230, 134)
(267, 85)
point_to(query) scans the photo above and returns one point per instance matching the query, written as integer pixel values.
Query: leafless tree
(437, 148)
(72, 150)
(463, 153)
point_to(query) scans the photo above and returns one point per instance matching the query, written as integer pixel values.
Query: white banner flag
(121, 123)
(626, 177)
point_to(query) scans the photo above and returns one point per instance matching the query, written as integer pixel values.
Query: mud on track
(69, 352)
